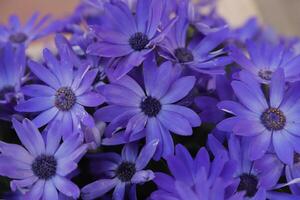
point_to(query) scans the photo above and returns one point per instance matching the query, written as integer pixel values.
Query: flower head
(197, 178)
(67, 91)
(201, 53)
(257, 179)
(150, 111)
(129, 36)
(265, 58)
(17, 34)
(121, 171)
(265, 121)
(39, 170)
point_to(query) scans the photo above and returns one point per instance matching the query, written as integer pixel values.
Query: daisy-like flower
(196, 179)
(12, 68)
(153, 107)
(67, 91)
(258, 179)
(121, 171)
(271, 121)
(265, 58)
(17, 34)
(39, 170)
(129, 36)
(199, 54)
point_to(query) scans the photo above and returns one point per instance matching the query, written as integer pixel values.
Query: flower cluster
(148, 99)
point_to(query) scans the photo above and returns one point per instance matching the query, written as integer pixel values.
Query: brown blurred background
(280, 14)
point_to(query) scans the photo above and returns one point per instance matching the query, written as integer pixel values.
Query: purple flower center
(184, 55)
(265, 74)
(125, 171)
(18, 37)
(273, 119)
(150, 106)
(138, 41)
(248, 183)
(44, 167)
(65, 98)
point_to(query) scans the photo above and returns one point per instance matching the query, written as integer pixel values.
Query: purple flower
(12, 68)
(265, 58)
(264, 121)
(257, 178)
(67, 91)
(151, 111)
(17, 34)
(39, 170)
(121, 171)
(200, 53)
(129, 36)
(197, 178)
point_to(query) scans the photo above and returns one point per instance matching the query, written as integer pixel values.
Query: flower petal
(142, 176)
(283, 148)
(277, 88)
(66, 187)
(179, 89)
(36, 90)
(90, 99)
(45, 117)
(36, 104)
(50, 192)
(98, 188)
(181, 127)
(146, 154)
(119, 191)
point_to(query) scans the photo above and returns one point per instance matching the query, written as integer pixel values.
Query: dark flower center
(248, 183)
(44, 167)
(297, 158)
(150, 106)
(265, 74)
(273, 119)
(65, 98)
(184, 55)
(138, 41)
(5, 90)
(18, 37)
(125, 171)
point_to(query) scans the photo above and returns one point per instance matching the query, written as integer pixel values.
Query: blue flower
(271, 121)
(39, 170)
(151, 112)
(197, 178)
(67, 91)
(265, 58)
(129, 36)
(202, 53)
(121, 171)
(17, 34)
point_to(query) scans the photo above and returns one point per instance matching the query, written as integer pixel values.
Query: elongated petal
(259, 145)
(45, 117)
(277, 88)
(90, 99)
(119, 191)
(36, 104)
(283, 148)
(181, 127)
(44, 74)
(29, 136)
(15, 151)
(142, 176)
(179, 89)
(109, 50)
(98, 188)
(50, 192)
(36, 191)
(187, 113)
(66, 187)
(146, 154)
(36, 90)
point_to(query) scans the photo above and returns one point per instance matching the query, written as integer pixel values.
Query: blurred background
(280, 14)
